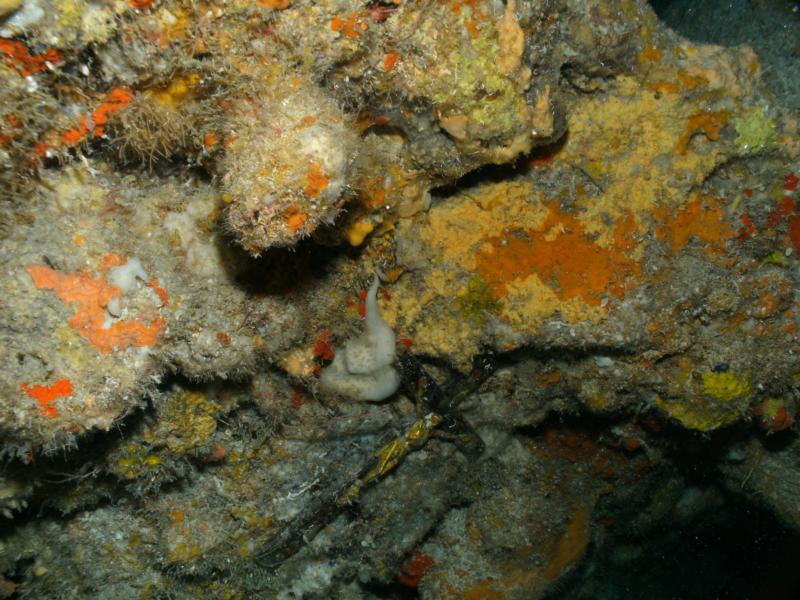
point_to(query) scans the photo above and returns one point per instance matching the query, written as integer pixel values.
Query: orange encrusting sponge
(47, 394)
(91, 295)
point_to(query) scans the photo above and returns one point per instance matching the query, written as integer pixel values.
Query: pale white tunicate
(364, 369)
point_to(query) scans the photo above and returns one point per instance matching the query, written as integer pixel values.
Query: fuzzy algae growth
(755, 131)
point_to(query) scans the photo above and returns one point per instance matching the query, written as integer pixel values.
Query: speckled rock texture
(586, 229)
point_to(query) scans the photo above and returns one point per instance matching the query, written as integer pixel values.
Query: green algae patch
(754, 130)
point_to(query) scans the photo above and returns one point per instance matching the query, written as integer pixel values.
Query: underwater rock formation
(195, 198)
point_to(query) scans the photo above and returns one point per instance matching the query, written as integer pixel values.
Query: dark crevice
(731, 551)
(521, 167)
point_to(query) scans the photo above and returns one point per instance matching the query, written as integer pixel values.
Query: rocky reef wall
(586, 228)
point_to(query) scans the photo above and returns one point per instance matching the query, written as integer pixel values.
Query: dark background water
(770, 27)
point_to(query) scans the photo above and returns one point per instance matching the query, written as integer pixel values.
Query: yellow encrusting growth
(725, 386)
(721, 399)
(359, 231)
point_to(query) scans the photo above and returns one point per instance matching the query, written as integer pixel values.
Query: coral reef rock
(588, 232)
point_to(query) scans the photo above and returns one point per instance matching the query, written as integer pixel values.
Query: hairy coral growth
(287, 164)
(25, 116)
(164, 122)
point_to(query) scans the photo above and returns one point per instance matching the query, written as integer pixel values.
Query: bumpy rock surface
(196, 199)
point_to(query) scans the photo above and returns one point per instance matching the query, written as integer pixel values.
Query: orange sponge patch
(702, 219)
(47, 394)
(562, 256)
(90, 295)
(316, 181)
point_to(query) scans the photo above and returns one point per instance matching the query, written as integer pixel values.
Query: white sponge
(124, 277)
(363, 369)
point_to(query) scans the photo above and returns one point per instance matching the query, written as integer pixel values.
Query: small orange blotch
(223, 338)
(323, 347)
(573, 265)
(708, 123)
(350, 26)
(748, 192)
(47, 394)
(473, 26)
(298, 398)
(748, 229)
(414, 569)
(41, 149)
(276, 4)
(111, 260)
(210, 140)
(650, 54)
(217, 452)
(390, 61)
(316, 181)
(768, 305)
(691, 81)
(79, 240)
(23, 62)
(295, 219)
(794, 232)
(404, 341)
(308, 120)
(141, 4)
(337, 23)
(12, 125)
(161, 292)
(550, 378)
(76, 134)
(116, 100)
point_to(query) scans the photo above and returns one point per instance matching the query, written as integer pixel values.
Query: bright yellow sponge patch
(725, 386)
(723, 400)
(358, 232)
